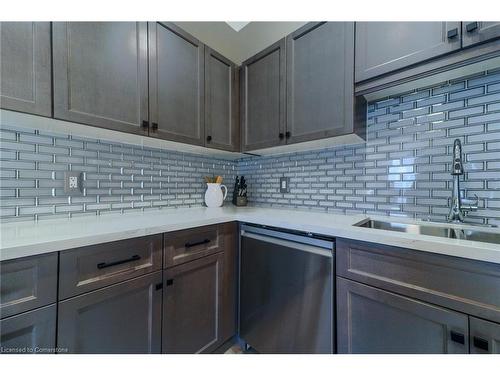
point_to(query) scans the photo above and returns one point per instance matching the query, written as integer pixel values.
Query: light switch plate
(284, 184)
(73, 183)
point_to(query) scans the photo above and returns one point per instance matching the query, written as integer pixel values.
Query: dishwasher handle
(290, 244)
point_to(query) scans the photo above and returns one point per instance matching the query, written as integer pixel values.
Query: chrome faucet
(459, 206)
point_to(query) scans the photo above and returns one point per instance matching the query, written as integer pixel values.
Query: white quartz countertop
(20, 239)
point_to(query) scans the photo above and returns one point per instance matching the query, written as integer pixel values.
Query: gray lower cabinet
(474, 32)
(123, 318)
(101, 74)
(383, 47)
(92, 267)
(263, 82)
(25, 85)
(371, 321)
(484, 336)
(191, 313)
(176, 84)
(221, 102)
(27, 283)
(32, 332)
(320, 87)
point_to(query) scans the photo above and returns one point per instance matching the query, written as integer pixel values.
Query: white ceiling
(237, 26)
(239, 45)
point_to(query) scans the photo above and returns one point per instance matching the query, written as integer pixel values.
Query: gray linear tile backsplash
(117, 177)
(402, 169)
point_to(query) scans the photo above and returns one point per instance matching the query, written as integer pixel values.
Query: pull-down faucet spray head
(457, 167)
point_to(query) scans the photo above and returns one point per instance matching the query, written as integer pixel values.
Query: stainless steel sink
(444, 231)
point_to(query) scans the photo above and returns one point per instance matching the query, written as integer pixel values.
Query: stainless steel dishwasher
(286, 291)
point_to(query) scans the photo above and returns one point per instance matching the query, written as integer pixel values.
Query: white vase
(214, 196)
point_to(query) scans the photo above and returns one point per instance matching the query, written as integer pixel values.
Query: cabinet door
(474, 32)
(320, 87)
(100, 74)
(191, 313)
(263, 98)
(25, 67)
(229, 297)
(382, 47)
(32, 332)
(484, 336)
(373, 321)
(221, 102)
(176, 84)
(123, 318)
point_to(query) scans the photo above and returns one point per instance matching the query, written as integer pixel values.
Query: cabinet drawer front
(27, 283)
(186, 245)
(122, 318)
(91, 267)
(32, 332)
(373, 321)
(460, 284)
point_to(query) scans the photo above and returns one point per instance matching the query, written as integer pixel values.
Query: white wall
(239, 46)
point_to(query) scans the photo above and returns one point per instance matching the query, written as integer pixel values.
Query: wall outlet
(284, 184)
(73, 183)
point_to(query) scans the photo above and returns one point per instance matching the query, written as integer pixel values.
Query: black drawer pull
(471, 27)
(170, 281)
(145, 124)
(202, 242)
(106, 265)
(154, 126)
(281, 135)
(288, 134)
(457, 337)
(159, 286)
(480, 343)
(453, 33)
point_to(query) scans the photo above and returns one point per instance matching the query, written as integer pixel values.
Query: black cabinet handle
(281, 136)
(145, 124)
(170, 281)
(453, 33)
(154, 126)
(470, 27)
(202, 242)
(209, 138)
(159, 286)
(106, 265)
(480, 343)
(457, 337)
(288, 134)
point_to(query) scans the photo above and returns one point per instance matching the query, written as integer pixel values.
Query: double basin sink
(436, 230)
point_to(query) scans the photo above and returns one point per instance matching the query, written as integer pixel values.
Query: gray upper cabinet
(221, 102)
(31, 332)
(176, 84)
(123, 318)
(25, 67)
(484, 336)
(191, 312)
(474, 32)
(100, 74)
(383, 47)
(27, 283)
(262, 98)
(320, 83)
(373, 321)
